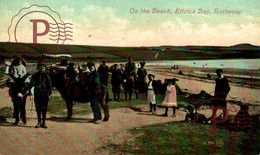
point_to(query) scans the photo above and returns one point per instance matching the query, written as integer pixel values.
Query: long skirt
(170, 99)
(151, 97)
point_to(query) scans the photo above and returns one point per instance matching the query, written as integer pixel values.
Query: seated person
(194, 116)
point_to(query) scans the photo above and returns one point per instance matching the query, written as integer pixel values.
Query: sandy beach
(79, 136)
(245, 91)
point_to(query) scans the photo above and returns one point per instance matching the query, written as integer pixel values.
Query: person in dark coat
(103, 73)
(160, 87)
(42, 90)
(116, 81)
(71, 73)
(221, 90)
(141, 80)
(94, 86)
(130, 74)
(130, 68)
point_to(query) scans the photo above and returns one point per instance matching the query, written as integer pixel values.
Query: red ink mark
(35, 33)
(215, 121)
(56, 27)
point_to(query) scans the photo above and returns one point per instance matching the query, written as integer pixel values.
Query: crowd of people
(125, 75)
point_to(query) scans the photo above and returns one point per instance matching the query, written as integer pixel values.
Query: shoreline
(242, 89)
(194, 84)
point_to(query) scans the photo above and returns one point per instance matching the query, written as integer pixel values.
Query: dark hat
(64, 62)
(40, 64)
(142, 63)
(219, 70)
(90, 64)
(174, 79)
(149, 75)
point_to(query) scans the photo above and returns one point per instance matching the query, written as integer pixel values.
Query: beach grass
(58, 106)
(2, 73)
(5, 112)
(184, 138)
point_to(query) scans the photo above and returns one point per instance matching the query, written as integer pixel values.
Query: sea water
(223, 63)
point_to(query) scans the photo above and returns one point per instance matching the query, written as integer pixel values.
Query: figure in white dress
(151, 93)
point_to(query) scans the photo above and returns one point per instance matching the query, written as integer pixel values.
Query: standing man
(42, 84)
(130, 68)
(103, 73)
(94, 87)
(221, 90)
(116, 80)
(130, 72)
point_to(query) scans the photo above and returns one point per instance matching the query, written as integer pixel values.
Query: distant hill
(245, 47)
(116, 54)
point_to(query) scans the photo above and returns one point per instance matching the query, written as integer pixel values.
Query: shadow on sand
(72, 120)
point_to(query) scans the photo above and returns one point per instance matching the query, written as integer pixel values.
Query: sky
(114, 23)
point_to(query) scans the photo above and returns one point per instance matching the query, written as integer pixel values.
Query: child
(151, 91)
(17, 72)
(195, 116)
(42, 90)
(170, 99)
(243, 119)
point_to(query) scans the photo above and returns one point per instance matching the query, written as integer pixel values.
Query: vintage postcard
(129, 77)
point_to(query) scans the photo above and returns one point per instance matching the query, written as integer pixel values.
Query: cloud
(94, 25)
(104, 18)
(25, 4)
(66, 9)
(175, 32)
(100, 26)
(184, 33)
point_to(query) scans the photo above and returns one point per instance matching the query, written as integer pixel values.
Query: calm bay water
(234, 63)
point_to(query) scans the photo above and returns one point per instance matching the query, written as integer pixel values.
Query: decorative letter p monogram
(215, 121)
(35, 34)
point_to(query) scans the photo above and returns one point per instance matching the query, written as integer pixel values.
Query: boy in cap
(42, 90)
(221, 90)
